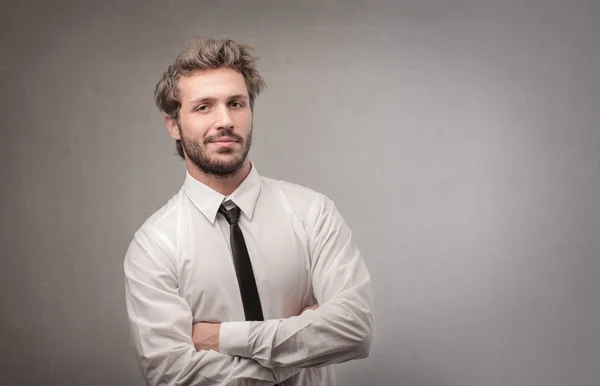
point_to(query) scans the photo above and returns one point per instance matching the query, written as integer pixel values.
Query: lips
(223, 140)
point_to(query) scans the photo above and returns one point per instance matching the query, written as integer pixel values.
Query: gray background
(461, 140)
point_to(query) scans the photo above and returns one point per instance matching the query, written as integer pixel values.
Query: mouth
(224, 143)
(224, 140)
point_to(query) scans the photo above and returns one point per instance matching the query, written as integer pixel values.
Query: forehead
(218, 83)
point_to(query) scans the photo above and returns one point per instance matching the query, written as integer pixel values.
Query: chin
(229, 160)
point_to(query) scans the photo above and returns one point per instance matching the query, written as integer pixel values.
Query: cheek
(244, 120)
(194, 126)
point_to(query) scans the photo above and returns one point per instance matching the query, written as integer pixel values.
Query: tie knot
(232, 215)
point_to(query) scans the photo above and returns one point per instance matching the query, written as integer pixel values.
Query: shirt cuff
(234, 339)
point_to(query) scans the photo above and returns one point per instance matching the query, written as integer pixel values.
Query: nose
(224, 120)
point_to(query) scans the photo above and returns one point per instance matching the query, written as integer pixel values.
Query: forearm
(186, 366)
(338, 331)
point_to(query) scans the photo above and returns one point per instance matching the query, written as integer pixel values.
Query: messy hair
(203, 54)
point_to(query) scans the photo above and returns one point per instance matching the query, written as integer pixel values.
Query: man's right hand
(313, 307)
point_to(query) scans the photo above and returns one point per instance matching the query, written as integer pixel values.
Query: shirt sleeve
(340, 329)
(161, 325)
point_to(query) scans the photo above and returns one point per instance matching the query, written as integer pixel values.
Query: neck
(222, 184)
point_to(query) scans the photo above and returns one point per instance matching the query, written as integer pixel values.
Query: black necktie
(243, 266)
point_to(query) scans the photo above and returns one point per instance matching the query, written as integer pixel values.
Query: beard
(198, 153)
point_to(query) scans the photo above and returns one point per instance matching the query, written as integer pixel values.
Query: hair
(203, 54)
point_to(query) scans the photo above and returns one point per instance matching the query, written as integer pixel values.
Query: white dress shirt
(179, 271)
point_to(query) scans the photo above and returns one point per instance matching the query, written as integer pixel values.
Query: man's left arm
(339, 330)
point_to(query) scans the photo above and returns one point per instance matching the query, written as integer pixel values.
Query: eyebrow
(212, 99)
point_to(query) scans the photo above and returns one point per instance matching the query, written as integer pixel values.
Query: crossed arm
(205, 335)
(173, 351)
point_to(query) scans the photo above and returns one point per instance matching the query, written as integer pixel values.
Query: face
(215, 121)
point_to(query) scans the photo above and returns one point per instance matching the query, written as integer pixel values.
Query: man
(239, 279)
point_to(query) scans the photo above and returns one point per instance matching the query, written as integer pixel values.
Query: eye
(236, 104)
(202, 108)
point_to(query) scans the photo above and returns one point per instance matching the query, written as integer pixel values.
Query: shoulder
(165, 217)
(306, 202)
(158, 231)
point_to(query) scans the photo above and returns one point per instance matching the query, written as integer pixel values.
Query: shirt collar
(208, 200)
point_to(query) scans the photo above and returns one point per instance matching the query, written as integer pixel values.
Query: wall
(460, 139)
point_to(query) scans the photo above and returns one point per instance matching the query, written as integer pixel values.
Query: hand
(206, 336)
(313, 307)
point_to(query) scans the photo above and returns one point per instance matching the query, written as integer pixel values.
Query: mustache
(224, 133)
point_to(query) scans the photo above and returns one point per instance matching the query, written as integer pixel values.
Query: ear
(172, 127)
